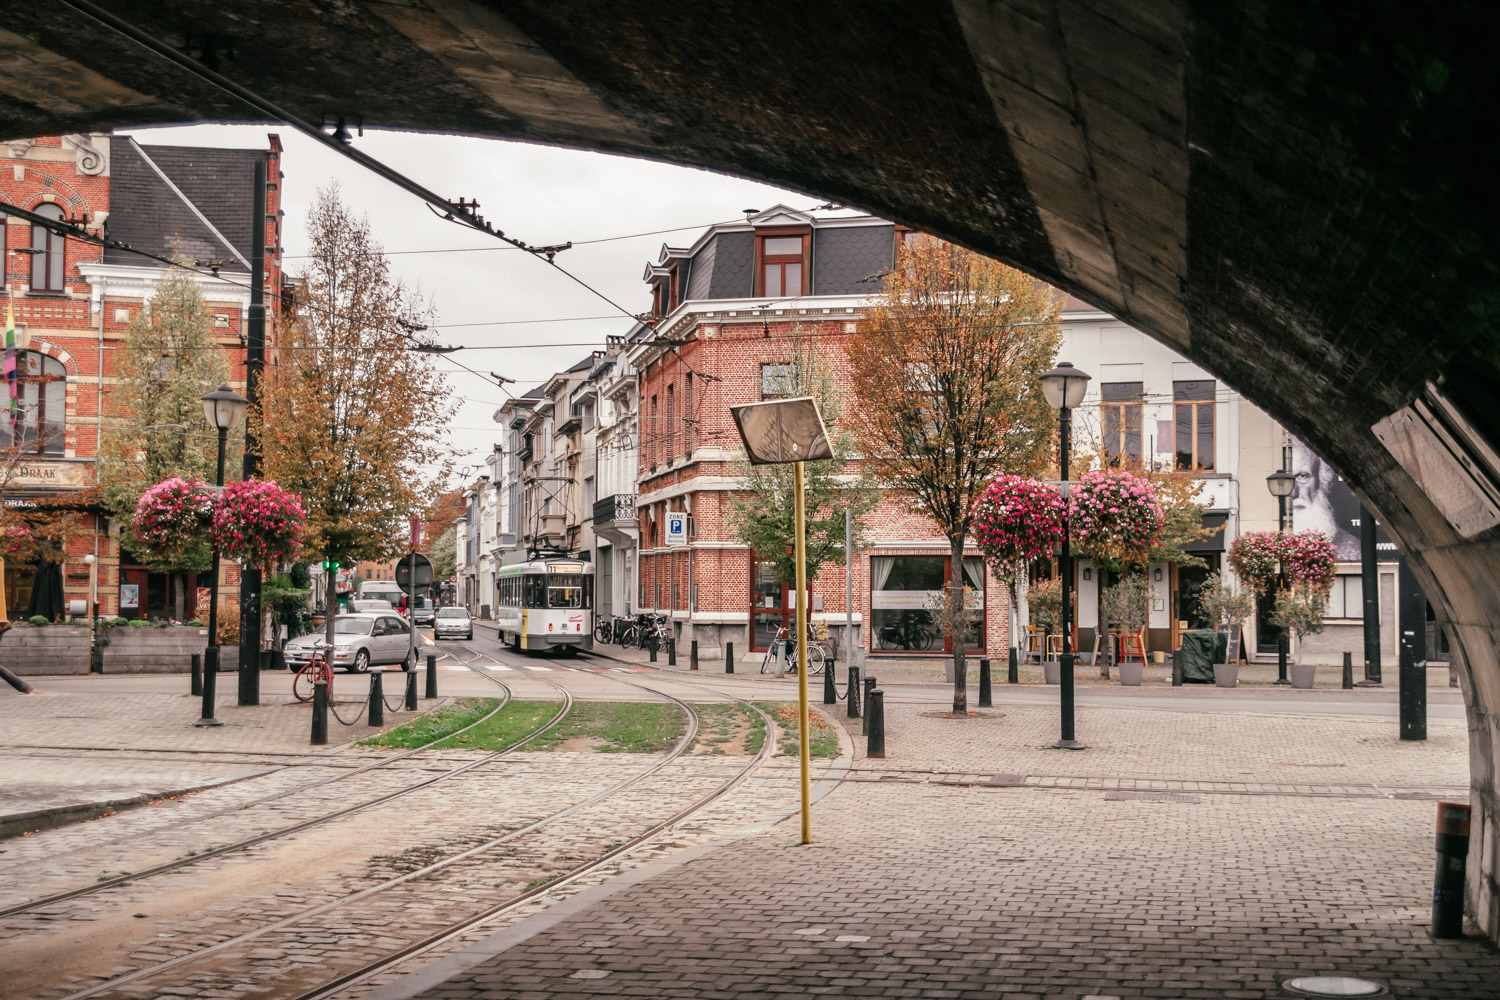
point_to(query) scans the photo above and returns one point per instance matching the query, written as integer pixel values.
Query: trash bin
(1201, 649)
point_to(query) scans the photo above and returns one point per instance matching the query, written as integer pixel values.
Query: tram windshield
(566, 591)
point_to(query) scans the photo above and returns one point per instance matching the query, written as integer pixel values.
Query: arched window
(47, 267)
(34, 421)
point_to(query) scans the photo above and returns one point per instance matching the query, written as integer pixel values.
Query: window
(47, 267)
(565, 591)
(655, 432)
(41, 390)
(781, 267)
(1120, 419)
(902, 589)
(778, 380)
(1347, 598)
(1194, 413)
(671, 422)
(534, 591)
(687, 414)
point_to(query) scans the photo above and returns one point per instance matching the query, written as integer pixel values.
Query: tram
(546, 604)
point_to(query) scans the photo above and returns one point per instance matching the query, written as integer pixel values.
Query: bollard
(654, 644)
(672, 653)
(852, 696)
(729, 657)
(411, 690)
(984, 682)
(197, 673)
(1452, 857)
(864, 725)
(431, 676)
(377, 699)
(830, 691)
(1014, 675)
(320, 713)
(875, 750)
(1348, 670)
(1177, 667)
(693, 655)
(210, 682)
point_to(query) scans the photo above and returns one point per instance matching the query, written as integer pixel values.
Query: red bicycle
(314, 670)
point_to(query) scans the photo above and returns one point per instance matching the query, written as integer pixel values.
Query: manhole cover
(1333, 986)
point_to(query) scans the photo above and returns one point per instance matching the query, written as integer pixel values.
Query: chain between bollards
(875, 749)
(411, 690)
(693, 655)
(864, 725)
(729, 657)
(1013, 673)
(377, 699)
(853, 693)
(320, 713)
(984, 682)
(431, 676)
(197, 673)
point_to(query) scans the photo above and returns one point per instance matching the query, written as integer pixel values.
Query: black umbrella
(46, 592)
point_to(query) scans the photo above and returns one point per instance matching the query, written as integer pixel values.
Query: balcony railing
(620, 507)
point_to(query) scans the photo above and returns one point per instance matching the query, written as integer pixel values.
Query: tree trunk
(179, 598)
(956, 589)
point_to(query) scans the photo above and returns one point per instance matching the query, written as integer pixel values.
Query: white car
(360, 640)
(450, 623)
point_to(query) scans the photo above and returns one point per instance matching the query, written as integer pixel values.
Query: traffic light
(330, 566)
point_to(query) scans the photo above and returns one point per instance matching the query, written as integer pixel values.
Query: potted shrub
(1044, 598)
(1299, 609)
(1124, 604)
(1227, 608)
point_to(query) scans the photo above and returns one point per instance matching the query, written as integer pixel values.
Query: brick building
(73, 301)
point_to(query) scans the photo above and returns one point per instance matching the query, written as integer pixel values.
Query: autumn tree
(946, 387)
(763, 515)
(168, 361)
(444, 554)
(354, 417)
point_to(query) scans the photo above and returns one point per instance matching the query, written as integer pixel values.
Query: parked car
(450, 623)
(360, 640)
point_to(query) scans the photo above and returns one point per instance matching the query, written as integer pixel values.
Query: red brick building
(737, 306)
(73, 301)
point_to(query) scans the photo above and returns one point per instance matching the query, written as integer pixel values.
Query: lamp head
(224, 408)
(1064, 386)
(89, 559)
(1281, 483)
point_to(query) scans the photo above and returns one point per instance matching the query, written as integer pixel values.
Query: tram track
(286, 831)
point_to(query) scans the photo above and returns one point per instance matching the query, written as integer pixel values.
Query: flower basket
(1114, 516)
(258, 523)
(1310, 560)
(1256, 558)
(172, 518)
(1015, 521)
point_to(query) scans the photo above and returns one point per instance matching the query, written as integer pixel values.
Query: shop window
(1193, 408)
(41, 405)
(1120, 421)
(49, 266)
(902, 589)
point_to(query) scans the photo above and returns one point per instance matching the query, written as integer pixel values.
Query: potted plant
(1299, 609)
(1227, 608)
(1124, 604)
(1044, 598)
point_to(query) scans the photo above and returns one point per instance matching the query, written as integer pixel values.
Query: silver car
(452, 622)
(360, 640)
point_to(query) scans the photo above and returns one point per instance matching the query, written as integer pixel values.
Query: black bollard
(1348, 670)
(1177, 667)
(729, 657)
(431, 676)
(830, 692)
(210, 681)
(320, 713)
(1452, 858)
(654, 644)
(197, 673)
(693, 655)
(875, 749)
(864, 725)
(1014, 674)
(377, 699)
(672, 652)
(852, 696)
(984, 682)
(411, 690)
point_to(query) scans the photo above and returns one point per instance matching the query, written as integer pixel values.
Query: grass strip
(721, 726)
(617, 727)
(514, 722)
(823, 740)
(434, 725)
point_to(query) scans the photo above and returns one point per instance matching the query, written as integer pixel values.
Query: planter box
(1131, 672)
(152, 650)
(30, 650)
(1226, 675)
(1052, 672)
(1302, 674)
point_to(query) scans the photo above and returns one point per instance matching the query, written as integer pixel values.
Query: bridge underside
(1289, 193)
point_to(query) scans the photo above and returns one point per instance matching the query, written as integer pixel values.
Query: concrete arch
(1289, 193)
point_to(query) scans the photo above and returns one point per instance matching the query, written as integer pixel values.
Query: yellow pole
(803, 749)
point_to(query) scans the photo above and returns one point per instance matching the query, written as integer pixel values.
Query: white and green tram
(546, 604)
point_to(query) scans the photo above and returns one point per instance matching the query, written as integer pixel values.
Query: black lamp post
(1282, 484)
(1064, 388)
(224, 408)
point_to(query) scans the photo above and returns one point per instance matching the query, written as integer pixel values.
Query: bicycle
(315, 669)
(658, 630)
(817, 656)
(604, 630)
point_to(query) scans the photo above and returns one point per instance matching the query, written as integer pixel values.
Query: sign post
(412, 572)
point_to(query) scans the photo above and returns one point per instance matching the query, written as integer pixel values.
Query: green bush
(194, 622)
(139, 623)
(38, 620)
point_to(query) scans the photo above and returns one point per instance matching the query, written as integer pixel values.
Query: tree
(444, 555)
(353, 417)
(763, 516)
(945, 377)
(169, 361)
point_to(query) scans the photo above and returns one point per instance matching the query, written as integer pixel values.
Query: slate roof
(731, 275)
(148, 214)
(843, 255)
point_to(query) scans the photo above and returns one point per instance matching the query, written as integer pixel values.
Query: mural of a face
(1314, 505)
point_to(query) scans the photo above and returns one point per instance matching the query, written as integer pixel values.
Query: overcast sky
(488, 295)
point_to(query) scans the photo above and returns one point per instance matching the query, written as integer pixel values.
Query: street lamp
(1282, 484)
(775, 432)
(223, 408)
(1064, 388)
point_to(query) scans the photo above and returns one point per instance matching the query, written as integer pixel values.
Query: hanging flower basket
(173, 517)
(1017, 520)
(1256, 558)
(258, 523)
(1310, 560)
(1114, 516)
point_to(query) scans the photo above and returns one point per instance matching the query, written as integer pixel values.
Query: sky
(515, 315)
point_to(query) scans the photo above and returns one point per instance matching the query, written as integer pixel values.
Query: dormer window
(781, 263)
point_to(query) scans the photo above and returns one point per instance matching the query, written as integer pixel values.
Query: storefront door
(770, 611)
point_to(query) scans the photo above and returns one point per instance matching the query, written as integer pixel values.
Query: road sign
(676, 528)
(404, 571)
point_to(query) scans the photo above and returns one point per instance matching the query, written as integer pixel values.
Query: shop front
(903, 591)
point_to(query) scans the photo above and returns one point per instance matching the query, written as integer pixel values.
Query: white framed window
(1347, 598)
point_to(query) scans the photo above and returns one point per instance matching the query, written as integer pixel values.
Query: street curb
(15, 824)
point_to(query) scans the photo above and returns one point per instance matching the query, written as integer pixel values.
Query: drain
(1333, 986)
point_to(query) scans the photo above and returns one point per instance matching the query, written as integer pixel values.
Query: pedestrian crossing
(529, 668)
